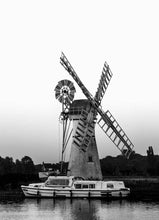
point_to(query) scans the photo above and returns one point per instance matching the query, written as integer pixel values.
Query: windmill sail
(103, 83)
(66, 64)
(116, 134)
(106, 118)
(84, 130)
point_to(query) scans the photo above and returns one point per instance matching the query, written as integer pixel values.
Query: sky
(33, 34)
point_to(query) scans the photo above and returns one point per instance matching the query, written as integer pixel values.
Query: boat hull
(47, 192)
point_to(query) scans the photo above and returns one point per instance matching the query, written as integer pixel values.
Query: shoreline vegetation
(139, 173)
(142, 189)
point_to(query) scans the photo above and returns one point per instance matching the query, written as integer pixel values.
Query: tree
(19, 167)
(27, 165)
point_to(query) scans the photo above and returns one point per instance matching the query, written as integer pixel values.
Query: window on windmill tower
(90, 159)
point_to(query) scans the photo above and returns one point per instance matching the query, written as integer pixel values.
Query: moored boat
(71, 187)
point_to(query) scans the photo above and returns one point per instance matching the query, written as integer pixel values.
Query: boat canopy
(58, 181)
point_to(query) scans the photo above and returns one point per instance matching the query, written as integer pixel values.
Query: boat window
(78, 186)
(62, 182)
(85, 186)
(91, 186)
(110, 185)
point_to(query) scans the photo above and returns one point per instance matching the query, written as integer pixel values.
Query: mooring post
(54, 194)
(71, 193)
(38, 193)
(120, 195)
(89, 194)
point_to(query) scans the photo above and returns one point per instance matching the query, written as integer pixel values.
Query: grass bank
(142, 188)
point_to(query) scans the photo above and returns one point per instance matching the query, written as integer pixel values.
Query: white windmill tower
(84, 159)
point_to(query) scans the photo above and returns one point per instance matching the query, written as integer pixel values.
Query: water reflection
(77, 209)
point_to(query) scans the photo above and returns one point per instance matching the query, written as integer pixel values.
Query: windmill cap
(78, 105)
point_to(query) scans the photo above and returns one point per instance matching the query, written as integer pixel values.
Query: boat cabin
(59, 181)
(109, 185)
(85, 184)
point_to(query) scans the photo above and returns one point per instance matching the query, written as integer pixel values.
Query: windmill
(84, 159)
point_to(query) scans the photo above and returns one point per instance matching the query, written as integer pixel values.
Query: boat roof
(60, 177)
(86, 181)
(97, 181)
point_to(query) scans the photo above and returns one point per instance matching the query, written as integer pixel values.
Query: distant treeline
(136, 165)
(12, 174)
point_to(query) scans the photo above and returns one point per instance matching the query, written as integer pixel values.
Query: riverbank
(142, 188)
(11, 195)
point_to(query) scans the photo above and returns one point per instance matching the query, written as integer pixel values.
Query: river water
(78, 209)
